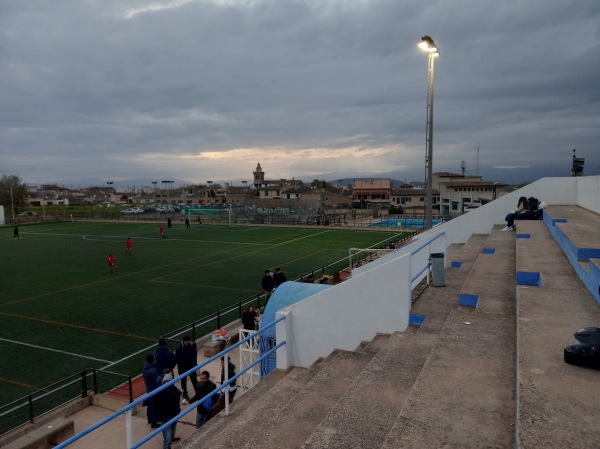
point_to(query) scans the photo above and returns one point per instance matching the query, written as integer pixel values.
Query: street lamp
(12, 202)
(168, 189)
(430, 48)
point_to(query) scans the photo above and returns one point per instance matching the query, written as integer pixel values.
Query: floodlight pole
(428, 45)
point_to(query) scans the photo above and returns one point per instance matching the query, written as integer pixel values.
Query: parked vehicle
(29, 213)
(133, 210)
(584, 348)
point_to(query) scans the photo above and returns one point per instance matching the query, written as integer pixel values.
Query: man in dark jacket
(204, 387)
(152, 380)
(279, 277)
(268, 285)
(167, 404)
(186, 355)
(165, 358)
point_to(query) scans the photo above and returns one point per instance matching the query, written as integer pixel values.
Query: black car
(584, 348)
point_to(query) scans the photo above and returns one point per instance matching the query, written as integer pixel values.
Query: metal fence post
(84, 386)
(95, 376)
(30, 402)
(130, 389)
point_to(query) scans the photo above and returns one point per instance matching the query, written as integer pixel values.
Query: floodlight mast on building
(433, 52)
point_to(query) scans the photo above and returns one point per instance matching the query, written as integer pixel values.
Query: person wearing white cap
(167, 403)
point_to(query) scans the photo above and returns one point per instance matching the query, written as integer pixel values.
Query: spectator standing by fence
(187, 358)
(279, 277)
(165, 358)
(152, 380)
(167, 404)
(268, 285)
(249, 318)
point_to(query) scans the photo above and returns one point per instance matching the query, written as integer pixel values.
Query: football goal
(360, 256)
(203, 215)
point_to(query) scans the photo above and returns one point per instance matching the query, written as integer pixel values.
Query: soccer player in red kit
(162, 232)
(110, 260)
(128, 245)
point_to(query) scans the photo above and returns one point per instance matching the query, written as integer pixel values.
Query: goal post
(359, 256)
(204, 215)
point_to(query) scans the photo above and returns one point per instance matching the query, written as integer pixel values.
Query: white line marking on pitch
(55, 350)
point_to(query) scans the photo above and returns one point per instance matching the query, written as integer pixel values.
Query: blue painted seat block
(488, 251)
(467, 300)
(416, 319)
(523, 236)
(455, 264)
(529, 278)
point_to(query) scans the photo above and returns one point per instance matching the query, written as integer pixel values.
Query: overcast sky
(313, 89)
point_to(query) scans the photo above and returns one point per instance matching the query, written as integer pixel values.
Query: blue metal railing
(428, 264)
(127, 409)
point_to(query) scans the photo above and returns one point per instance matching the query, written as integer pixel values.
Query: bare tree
(12, 183)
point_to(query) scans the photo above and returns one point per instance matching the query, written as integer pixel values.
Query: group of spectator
(165, 405)
(527, 209)
(271, 280)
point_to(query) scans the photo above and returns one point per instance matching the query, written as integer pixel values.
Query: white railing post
(225, 379)
(129, 429)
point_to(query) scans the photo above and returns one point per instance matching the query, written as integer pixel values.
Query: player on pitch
(110, 260)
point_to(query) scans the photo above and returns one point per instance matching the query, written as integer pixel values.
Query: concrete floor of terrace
(558, 402)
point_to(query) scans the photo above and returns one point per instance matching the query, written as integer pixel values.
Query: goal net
(357, 257)
(209, 215)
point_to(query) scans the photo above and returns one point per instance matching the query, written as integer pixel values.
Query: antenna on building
(463, 166)
(477, 172)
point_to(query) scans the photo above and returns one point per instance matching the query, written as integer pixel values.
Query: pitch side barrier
(192, 407)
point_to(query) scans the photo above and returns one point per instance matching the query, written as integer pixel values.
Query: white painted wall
(342, 317)
(2, 222)
(588, 193)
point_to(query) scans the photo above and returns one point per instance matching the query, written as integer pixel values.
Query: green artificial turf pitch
(62, 312)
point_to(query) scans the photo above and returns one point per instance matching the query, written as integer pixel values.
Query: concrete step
(298, 419)
(365, 414)
(558, 402)
(250, 412)
(488, 276)
(464, 395)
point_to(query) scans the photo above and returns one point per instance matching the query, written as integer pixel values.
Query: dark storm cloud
(190, 89)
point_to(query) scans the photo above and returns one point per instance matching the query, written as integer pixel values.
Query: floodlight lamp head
(429, 46)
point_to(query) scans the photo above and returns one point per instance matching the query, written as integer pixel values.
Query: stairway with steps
(558, 403)
(349, 399)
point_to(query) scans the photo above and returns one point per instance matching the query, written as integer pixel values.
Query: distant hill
(349, 181)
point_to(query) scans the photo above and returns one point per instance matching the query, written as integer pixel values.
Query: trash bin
(437, 269)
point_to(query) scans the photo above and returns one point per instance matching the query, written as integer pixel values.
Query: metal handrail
(127, 409)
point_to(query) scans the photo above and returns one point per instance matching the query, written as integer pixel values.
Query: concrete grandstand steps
(252, 411)
(464, 395)
(487, 279)
(292, 406)
(299, 418)
(352, 399)
(558, 403)
(365, 414)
